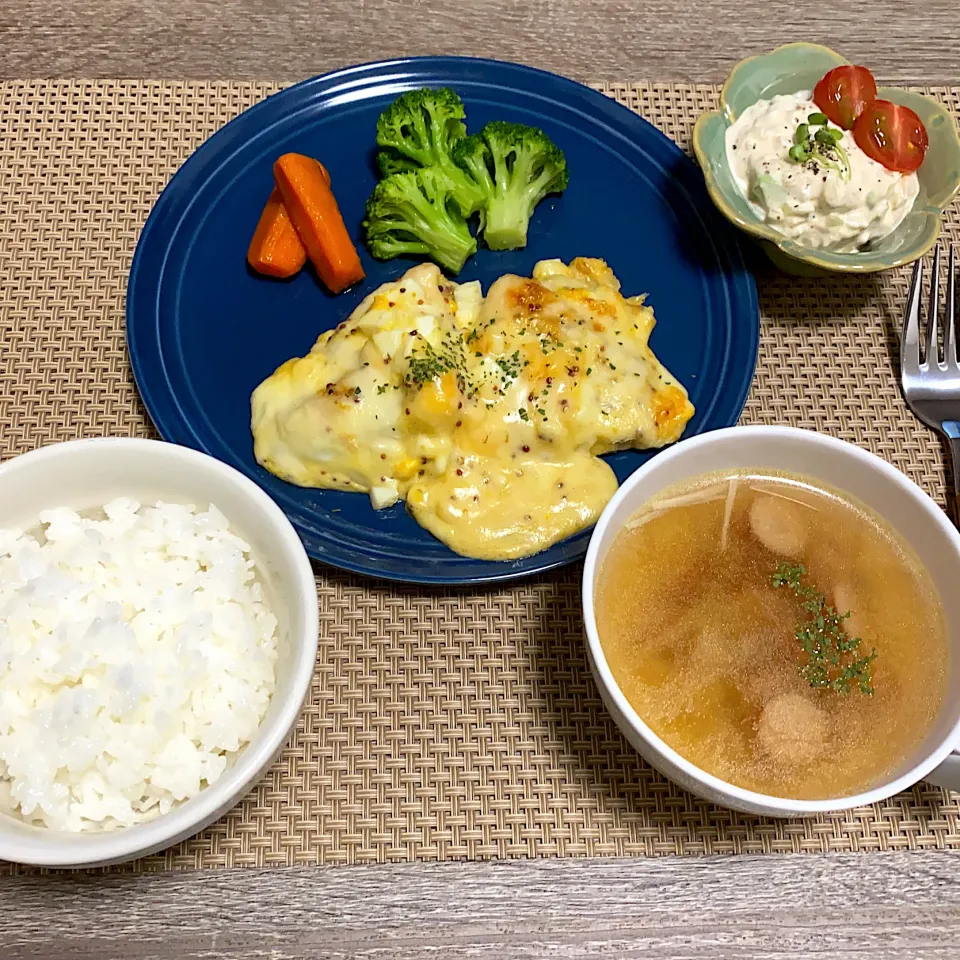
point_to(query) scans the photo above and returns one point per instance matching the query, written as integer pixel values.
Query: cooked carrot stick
(275, 249)
(315, 215)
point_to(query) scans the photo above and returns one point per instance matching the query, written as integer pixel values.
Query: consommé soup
(721, 612)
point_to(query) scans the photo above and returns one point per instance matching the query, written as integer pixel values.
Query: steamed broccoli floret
(423, 124)
(389, 161)
(420, 129)
(472, 155)
(414, 213)
(515, 166)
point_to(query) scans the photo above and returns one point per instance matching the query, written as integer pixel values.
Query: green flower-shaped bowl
(798, 66)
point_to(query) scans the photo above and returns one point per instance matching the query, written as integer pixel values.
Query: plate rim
(173, 424)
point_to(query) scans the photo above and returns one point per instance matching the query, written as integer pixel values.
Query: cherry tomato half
(892, 135)
(843, 93)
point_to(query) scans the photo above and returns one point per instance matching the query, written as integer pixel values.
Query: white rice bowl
(137, 657)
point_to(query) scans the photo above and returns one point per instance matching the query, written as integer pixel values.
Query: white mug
(845, 467)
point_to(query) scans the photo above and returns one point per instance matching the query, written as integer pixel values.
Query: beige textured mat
(441, 725)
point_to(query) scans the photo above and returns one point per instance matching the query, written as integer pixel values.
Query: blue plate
(203, 330)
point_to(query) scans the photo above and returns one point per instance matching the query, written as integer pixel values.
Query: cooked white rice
(137, 656)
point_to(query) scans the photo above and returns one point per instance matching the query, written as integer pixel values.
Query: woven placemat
(441, 724)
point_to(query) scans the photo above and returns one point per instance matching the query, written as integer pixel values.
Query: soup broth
(704, 645)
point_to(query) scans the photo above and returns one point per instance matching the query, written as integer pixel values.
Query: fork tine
(910, 338)
(950, 329)
(931, 353)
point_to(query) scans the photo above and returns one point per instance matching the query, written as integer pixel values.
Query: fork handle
(952, 430)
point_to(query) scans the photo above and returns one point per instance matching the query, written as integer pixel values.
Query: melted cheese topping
(486, 415)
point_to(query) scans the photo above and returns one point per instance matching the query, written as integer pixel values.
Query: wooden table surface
(896, 905)
(692, 40)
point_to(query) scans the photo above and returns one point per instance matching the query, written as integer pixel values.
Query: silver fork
(931, 387)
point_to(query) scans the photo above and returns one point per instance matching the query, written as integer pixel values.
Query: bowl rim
(740, 797)
(54, 848)
(762, 231)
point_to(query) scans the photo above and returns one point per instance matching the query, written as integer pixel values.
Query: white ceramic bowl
(84, 474)
(841, 465)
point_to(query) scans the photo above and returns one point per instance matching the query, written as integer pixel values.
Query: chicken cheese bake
(487, 415)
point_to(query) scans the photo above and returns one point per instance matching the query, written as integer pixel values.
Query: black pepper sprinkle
(407, 411)
(525, 448)
(459, 423)
(459, 472)
(383, 456)
(403, 289)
